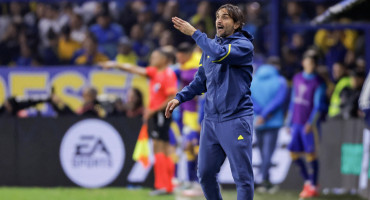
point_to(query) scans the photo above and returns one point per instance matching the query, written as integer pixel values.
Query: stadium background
(38, 61)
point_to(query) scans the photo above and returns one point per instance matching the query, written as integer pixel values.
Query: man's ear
(236, 25)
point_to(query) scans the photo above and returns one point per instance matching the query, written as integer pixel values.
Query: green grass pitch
(31, 193)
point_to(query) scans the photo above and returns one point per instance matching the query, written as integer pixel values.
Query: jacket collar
(236, 35)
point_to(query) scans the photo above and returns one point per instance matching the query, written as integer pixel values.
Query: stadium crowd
(42, 34)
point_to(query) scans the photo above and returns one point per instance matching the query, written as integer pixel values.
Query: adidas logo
(240, 137)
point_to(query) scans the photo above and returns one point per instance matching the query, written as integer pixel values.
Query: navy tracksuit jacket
(225, 74)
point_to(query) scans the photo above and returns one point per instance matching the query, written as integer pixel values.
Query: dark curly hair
(235, 13)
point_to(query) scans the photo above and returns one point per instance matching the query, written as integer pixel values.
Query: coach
(225, 73)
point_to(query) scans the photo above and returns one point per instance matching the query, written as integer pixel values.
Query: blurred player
(307, 101)
(163, 87)
(189, 63)
(364, 101)
(269, 91)
(225, 72)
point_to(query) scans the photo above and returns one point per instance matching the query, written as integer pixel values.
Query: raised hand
(183, 26)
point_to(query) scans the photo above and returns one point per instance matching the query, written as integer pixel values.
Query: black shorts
(159, 126)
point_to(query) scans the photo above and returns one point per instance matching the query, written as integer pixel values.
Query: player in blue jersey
(225, 73)
(306, 107)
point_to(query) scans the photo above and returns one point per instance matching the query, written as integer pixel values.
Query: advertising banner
(67, 83)
(69, 151)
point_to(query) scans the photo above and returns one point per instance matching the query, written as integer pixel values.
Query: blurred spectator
(59, 106)
(26, 57)
(91, 107)
(292, 52)
(295, 13)
(144, 20)
(320, 9)
(252, 13)
(125, 52)
(89, 54)
(134, 105)
(166, 39)
(66, 45)
(49, 53)
(291, 63)
(13, 105)
(18, 13)
(360, 64)
(159, 9)
(140, 45)
(118, 108)
(336, 52)
(92, 9)
(9, 44)
(155, 35)
(323, 72)
(269, 113)
(171, 10)
(203, 14)
(52, 20)
(349, 36)
(67, 8)
(255, 24)
(107, 33)
(297, 45)
(349, 96)
(201, 25)
(13, 16)
(128, 16)
(342, 81)
(78, 29)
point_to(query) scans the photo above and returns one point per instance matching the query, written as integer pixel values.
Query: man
(305, 110)
(91, 106)
(162, 88)
(107, 33)
(269, 91)
(225, 73)
(342, 80)
(89, 54)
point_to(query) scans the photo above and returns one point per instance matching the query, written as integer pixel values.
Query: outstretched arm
(125, 67)
(238, 53)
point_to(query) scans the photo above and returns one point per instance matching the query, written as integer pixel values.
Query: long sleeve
(196, 87)
(256, 107)
(238, 53)
(277, 101)
(288, 120)
(318, 103)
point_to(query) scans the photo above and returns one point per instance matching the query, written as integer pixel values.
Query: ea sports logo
(92, 153)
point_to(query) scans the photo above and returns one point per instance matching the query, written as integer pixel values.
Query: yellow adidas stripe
(224, 56)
